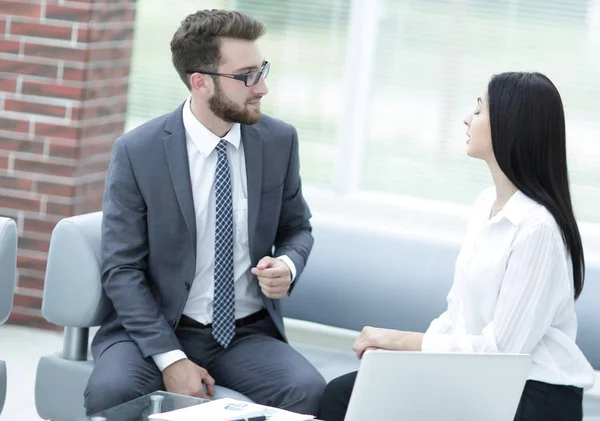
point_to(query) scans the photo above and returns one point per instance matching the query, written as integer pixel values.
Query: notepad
(226, 409)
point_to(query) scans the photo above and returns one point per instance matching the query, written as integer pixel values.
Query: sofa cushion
(358, 275)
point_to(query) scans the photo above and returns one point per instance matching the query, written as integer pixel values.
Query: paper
(227, 409)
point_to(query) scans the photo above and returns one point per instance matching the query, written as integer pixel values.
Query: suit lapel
(179, 167)
(253, 145)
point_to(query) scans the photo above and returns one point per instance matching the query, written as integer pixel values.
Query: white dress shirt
(201, 144)
(513, 293)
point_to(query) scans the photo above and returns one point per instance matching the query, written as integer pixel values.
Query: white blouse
(513, 293)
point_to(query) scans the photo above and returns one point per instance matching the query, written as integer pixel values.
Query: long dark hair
(527, 122)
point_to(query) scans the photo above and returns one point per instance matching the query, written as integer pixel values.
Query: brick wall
(64, 68)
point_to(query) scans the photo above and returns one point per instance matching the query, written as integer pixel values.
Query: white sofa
(355, 277)
(8, 267)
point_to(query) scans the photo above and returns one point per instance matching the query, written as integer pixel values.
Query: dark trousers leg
(337, 397)
(549, 402)
(120, 375)
(258, 364)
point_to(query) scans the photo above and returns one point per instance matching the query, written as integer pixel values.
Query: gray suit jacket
(149, 227)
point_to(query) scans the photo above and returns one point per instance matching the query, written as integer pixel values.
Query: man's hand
(274, 277)
(186, 378)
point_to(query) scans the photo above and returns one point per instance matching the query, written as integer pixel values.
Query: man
(195, 203)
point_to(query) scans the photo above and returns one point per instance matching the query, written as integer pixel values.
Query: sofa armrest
(73, 294)
(310, 333)
(8, 265)
(2, 384)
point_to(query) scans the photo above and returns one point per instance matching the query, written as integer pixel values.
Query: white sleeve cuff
(290, 265)
(165, 359)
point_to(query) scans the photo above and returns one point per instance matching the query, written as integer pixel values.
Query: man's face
(232, 101)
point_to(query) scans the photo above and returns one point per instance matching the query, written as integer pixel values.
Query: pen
(258, 418)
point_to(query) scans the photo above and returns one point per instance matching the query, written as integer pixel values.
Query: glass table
(139, 409)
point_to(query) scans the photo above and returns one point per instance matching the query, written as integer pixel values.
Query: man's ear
(199, 81)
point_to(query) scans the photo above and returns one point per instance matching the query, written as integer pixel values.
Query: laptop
(419, 386)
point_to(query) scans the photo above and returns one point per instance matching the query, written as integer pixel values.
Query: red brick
(8, 83)
(107, 34)
(69, 13)
(96, 148)
(49, 168)
(90, 198)
(55, 189)
(20, 203)
(39, 226)
(35, 108)
(59, 209)
(23, 68)
(59, 53)
(108, 70)
(34, 244)
(20, 145)
(26, 301)
(90, 188)
(99, 111)
(3, 162)
(58, 150)
(114, 14)
(92, 205)
(111, 90)
(2, 26)
(117, 53)
(97, 167)
(9, 47)
(65, 142)
(31, 282)
(51, 90)
(41, 30)
(83, 35)
(21, 126)
(17, 8)
(66, 131)
(92, 112)
(74, 74)
(13, 183)
(100, 129)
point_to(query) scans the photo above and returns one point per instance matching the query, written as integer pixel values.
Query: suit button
(188, 286)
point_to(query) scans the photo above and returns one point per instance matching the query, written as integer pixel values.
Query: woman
(521, 265)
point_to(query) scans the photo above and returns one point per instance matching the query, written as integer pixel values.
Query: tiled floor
(21, 348)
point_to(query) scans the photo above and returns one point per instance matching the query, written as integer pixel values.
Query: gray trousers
(257, 363)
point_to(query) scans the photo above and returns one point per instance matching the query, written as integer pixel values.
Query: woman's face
(479, 141)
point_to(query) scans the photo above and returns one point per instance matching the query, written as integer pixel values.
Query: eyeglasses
(249, 79)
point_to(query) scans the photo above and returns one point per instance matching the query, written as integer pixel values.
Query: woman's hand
(378, 338)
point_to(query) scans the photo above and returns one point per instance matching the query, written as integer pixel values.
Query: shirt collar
(205, 140)
(516, 208)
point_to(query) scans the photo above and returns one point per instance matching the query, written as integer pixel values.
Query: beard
(229, 111)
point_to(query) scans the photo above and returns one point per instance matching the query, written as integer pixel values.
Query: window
(378, 89)
(305, 42)
(433, 58)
